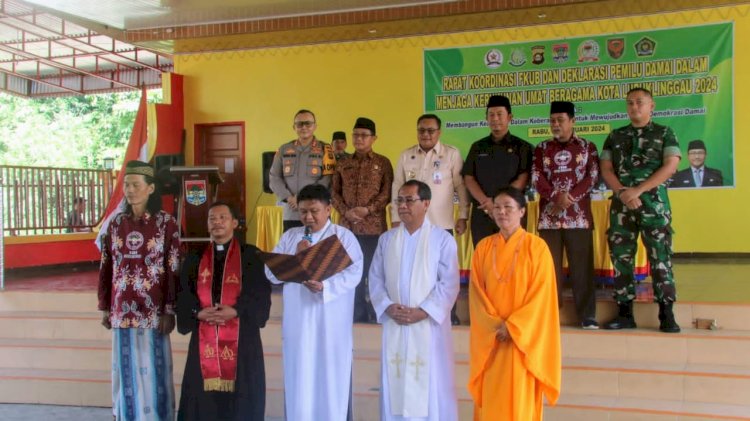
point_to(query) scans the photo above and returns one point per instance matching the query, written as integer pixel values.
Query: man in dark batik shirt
(564, 172)
(361, 191)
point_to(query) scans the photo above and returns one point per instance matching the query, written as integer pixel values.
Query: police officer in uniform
(298, 163)
(636, 162)
(496, 161)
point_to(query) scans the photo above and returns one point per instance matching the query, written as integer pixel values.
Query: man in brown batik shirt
(361, 191)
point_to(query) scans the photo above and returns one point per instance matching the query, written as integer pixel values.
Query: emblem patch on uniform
(563, 158)
(588, 51)
(134, 240)
(615, 47)
(493, 59)
(195, 192)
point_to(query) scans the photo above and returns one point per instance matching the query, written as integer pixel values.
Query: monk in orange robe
(515, 325)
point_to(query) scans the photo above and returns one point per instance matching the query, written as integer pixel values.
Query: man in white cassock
(316, 328)
(414, 282)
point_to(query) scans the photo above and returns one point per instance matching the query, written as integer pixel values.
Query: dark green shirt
(637, 153)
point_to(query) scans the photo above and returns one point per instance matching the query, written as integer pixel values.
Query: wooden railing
(38, 200)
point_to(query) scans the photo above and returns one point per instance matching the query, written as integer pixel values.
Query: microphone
(308, 234)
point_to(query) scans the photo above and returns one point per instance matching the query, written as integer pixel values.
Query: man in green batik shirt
(636, 162)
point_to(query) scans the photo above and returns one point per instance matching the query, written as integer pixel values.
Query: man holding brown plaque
(317, 319)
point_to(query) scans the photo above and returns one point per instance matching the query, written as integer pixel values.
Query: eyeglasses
(407, 200)
(361, 135)
(301, 124)
(427, 131)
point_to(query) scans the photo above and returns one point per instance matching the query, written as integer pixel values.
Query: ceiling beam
(69, 69)
(62, 36)
(42, 81)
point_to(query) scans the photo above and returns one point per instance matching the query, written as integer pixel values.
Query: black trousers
(363, 311)
(579, 248)
(482, 225)
(291, 224)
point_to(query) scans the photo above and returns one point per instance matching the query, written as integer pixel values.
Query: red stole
(218, 344)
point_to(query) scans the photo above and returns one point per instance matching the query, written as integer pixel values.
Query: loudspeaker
(267, 161)
(168, 182)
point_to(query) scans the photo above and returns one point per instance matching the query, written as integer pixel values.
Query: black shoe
(667, 323)
(620, 322)
(624, 319)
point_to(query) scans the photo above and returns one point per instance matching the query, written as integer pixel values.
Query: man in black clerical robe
(224, 300)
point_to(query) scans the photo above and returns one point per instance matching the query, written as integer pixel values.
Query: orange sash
(218, 344)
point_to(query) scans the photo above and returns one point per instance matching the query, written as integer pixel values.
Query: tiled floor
(83, 277)
(19, 412)
(23, 412)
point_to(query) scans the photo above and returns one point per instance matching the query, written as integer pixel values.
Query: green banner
(689, 71)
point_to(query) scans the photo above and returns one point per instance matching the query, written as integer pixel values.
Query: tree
(68, 132)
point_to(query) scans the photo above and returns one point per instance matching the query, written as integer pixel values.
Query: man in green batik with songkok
(636, 162)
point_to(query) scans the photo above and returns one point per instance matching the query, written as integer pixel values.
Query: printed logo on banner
(645, 47)
(195, 192)
(493, 59)
(560, 52)
(517, 57)
(615, 47)
(537, 54)
(588, 51)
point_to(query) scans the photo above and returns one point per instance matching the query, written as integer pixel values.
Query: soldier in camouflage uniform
(636, 162)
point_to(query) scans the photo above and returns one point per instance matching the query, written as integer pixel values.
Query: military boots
(624, 319)
(666, 318)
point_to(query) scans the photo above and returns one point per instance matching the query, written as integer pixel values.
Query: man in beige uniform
(439, 166)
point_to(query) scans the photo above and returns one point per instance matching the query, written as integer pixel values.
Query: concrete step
(48, 301)
(638, 380)
(654, 408)
(607, 375)
(618, 365)
(91, 388)
(719, 347)
(691, 346)
(82, 325)
(728, 316)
